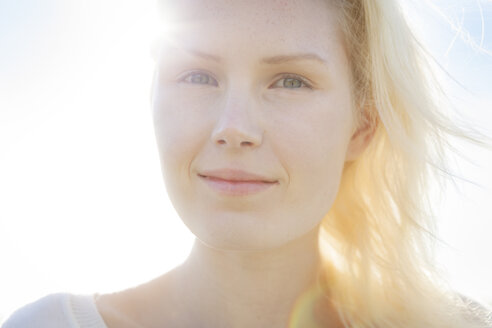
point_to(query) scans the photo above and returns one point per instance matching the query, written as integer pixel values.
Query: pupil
(292, 83)
(199, 78)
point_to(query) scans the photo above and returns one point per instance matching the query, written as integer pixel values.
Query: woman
(296, 140)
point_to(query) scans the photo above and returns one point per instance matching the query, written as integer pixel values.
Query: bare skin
(262, 86)
(258, 289)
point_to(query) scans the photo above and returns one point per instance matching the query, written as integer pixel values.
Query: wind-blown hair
(376, 241)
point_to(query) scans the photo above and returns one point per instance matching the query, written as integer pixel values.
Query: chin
(247, 234)
(239, 240)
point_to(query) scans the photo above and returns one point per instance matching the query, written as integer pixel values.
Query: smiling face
(256, 86)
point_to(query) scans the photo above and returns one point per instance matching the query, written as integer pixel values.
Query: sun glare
(84, 208)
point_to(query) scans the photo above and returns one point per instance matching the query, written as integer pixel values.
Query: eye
(290, 81)
(199, 78)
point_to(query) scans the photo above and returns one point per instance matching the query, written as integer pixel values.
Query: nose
(237, 126)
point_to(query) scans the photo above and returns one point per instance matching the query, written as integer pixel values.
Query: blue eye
(291, 82)
(200, 78)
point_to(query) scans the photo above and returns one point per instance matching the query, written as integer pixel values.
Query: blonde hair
(377, 239)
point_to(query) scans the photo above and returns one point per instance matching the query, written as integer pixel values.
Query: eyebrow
(204, 55)
(289, 58)
(274, 60)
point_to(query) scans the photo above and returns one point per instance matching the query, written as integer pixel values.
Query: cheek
(180, 132)
(315, 135)
(312, 149)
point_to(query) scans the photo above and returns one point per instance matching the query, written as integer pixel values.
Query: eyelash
(304, 82)
(191, 74)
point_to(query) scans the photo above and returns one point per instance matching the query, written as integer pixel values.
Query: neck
(251, 288)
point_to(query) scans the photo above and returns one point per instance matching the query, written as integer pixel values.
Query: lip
(235, 182)
(235, 175)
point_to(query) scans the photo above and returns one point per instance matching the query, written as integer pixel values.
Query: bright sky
(83, 207)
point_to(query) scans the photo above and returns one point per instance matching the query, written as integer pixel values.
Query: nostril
(234, 138)
(243, 143)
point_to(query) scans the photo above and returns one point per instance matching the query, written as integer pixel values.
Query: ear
(361, 138)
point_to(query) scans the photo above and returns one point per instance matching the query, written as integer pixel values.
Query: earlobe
(361, 138)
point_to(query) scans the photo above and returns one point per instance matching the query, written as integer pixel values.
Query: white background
(83, 207)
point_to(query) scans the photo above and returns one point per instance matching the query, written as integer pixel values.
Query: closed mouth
(235, 180)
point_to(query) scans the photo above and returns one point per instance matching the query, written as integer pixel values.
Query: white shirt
(60, 310)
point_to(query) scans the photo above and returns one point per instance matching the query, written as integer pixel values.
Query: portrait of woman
(296, 141)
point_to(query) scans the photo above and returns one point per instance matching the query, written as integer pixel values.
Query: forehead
(196, 9)
(292, 24)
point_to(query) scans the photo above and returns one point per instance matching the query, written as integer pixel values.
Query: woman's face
(256, 86)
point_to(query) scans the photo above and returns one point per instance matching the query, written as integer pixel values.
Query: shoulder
(49, 311)
(152, 304)
(61, 310)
